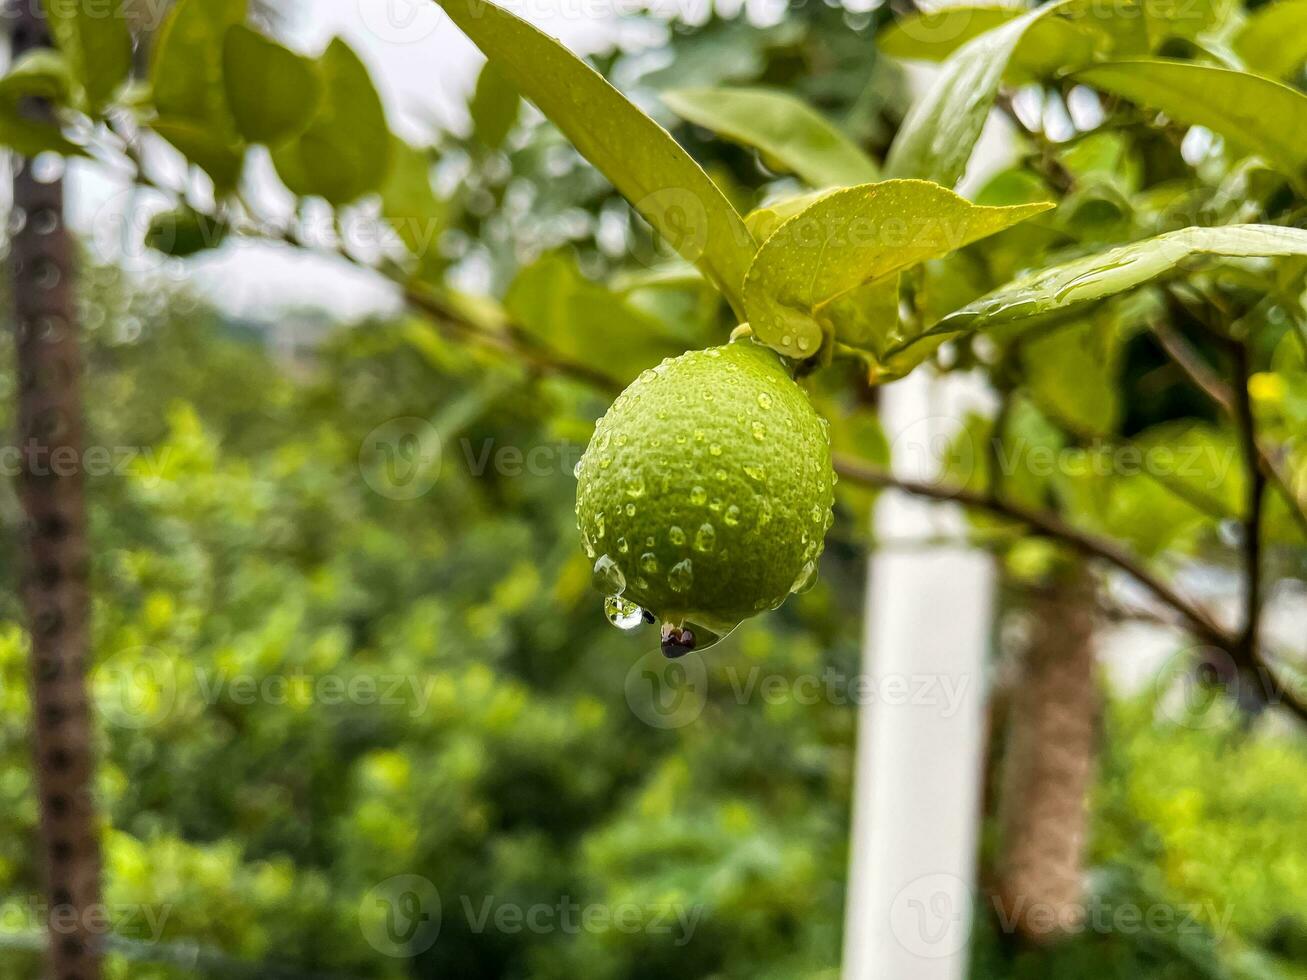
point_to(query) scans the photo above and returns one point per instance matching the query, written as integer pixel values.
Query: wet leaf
(644, 163)
(1095, 277)
(853, 237)
(791, 135)
(940, 131)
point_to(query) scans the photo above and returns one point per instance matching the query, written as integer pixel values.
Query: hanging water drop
(806, 578)
(623, 614)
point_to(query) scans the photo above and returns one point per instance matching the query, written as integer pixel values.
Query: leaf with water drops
(791, 135)
(1063, 287)
(850, 238)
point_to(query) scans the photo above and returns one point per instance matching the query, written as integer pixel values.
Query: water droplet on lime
(623, 614)
(806, 578)
(608, 577)
(705, 539)
(681, 577)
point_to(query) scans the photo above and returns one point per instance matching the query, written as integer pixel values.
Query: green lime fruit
(705, 494)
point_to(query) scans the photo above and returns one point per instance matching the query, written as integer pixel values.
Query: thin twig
(1252, 542)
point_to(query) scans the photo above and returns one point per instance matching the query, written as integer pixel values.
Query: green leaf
(189, 92)
(644, 163)
(1051, 291)
(184, 232)
(203, 148)
(851, 237)
(1072, 375)
(494, 108)
(37, 74)
(345, 151)
(1274, 40)
(586, 322)
(408, 201)
(790, 135)
(97, 43)
(1260, 115)
(941, 129)
(272, 92)
(762, 221)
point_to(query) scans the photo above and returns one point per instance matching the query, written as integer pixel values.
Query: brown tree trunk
(1048, 765)
(54, 588)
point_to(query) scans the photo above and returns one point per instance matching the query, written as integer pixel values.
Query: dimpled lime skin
(717, 459)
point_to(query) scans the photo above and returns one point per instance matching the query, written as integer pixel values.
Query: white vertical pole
(919, 765)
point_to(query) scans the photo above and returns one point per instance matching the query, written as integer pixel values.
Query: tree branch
(1252, 542)
(1205, 378)
(1049, 525)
